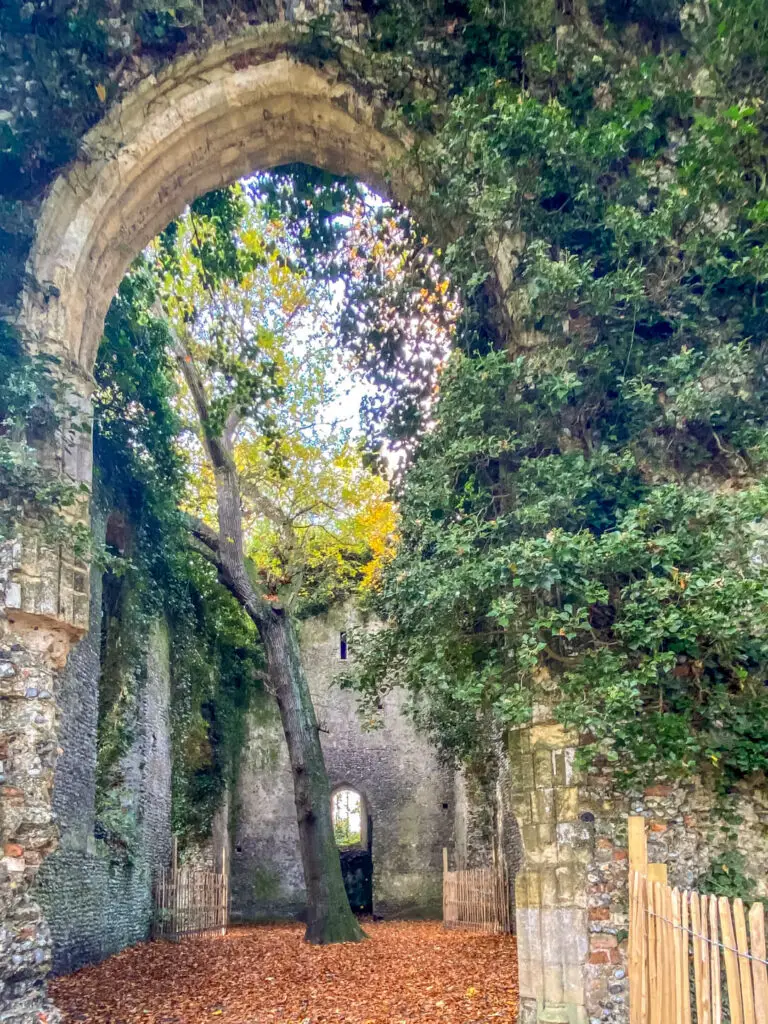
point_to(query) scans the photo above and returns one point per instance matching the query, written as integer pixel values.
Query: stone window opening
(343, 645)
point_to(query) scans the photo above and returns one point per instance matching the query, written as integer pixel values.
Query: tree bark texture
(329, 918)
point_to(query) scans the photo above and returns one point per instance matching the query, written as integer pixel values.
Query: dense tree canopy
(589, 507)
(260, 330)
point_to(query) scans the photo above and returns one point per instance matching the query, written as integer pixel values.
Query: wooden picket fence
(692, 958)
(476, 898)
(190, 902)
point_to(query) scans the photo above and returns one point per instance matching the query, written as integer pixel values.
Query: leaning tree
(248, 335)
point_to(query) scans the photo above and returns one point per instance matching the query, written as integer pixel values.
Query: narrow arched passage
(353, 827)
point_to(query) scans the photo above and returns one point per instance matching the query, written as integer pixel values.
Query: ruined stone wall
(213, 853)
(474, 822)
(96, 897)
(408, 796)
(571, 891)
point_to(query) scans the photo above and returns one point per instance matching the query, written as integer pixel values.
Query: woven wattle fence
(476, 898)
(190, 902)
(693, 959)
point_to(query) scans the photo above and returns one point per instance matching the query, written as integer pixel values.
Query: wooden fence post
(637, 845)
(638, 931)
(224, 890)
(658, 873)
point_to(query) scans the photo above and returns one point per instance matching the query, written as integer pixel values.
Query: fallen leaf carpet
(405, 973)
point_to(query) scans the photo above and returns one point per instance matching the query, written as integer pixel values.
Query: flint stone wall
(572, 889)
(408, 796)
(97, 899)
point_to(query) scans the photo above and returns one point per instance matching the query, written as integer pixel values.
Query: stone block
(573, 984)
(521, 806)
(530, 978)
(552, 735)
(562, 766)
(528, 889)
(543, 806)
(542, 768)
(567, 804)
(552, 976)
(515, 746)
(566, 884)
(529, 835)
(523, 774)
(528, 921)
(548, 881)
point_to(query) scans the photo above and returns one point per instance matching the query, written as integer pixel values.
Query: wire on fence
(684, 947)
(704, 938)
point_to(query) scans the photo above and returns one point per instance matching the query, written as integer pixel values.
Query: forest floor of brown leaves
(405, 973)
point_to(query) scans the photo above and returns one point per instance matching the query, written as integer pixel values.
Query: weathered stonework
(408, 796)
(251, 100)
(30, 657)
(571, 893)
(244, 103)
(97, 899)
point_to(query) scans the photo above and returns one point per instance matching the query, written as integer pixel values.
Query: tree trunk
(329, 918)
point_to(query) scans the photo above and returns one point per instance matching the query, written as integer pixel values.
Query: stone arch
(246, 103)
(357, 864)
(243, 105)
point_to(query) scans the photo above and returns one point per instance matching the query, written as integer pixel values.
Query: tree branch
(205, 552)
(203, 534)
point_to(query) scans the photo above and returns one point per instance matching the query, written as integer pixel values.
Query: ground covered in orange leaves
(406, 972)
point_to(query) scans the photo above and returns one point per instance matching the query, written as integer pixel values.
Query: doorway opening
(352, 831)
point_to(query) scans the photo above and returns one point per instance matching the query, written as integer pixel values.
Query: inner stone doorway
(352, 829)
(357, 871)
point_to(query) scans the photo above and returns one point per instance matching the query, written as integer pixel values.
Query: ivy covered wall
(151, 704)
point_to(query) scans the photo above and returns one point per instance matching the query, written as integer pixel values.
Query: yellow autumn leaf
(101, 91)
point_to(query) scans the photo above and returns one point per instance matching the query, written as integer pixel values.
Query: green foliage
(397, 312)
(35, 414)
(253, 335)
(137, 459)
(343, 834)
(727, 875)
(58, 61)
(588, 512)
(217, 667)
(151, 574)
(587, 516)
(311, 204)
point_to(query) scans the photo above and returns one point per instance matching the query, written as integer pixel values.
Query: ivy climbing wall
(95, 890)
(605, 163)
